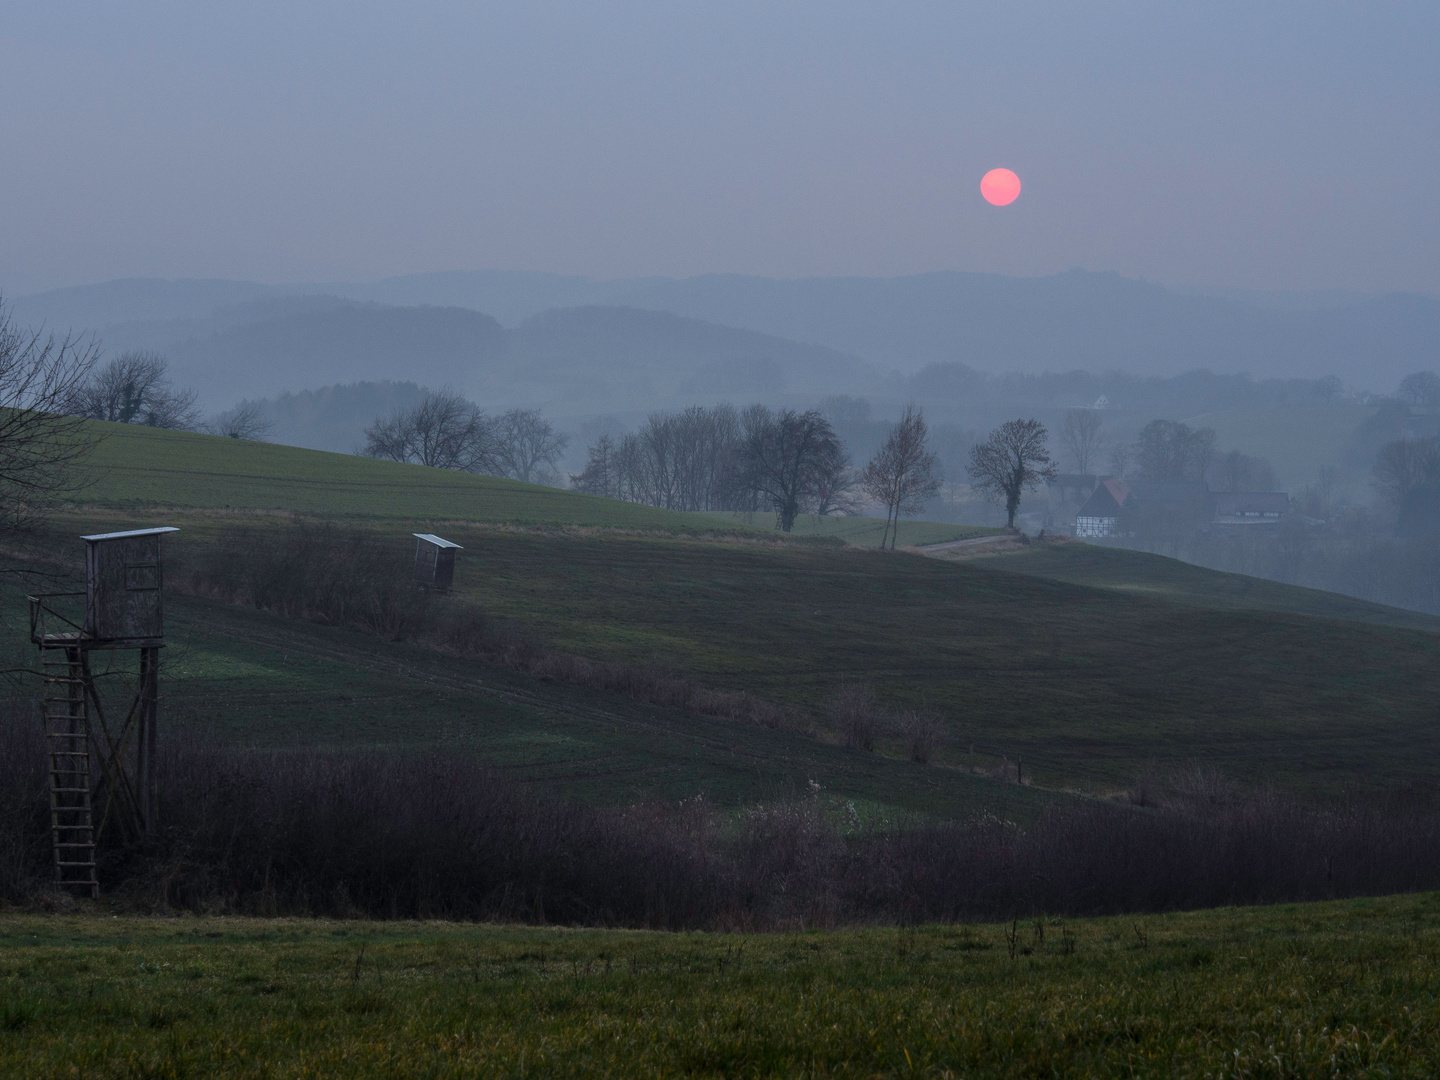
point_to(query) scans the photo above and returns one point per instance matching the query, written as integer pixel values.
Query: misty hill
(569, 361)
(622, 357)
(339, 342)
(1066, 321)
(1077, 319)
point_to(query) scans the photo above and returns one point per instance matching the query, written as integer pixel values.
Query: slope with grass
(1083, 663)
(1332, 989)
(1139, 573)
(136, 466)
(259, 680)
(860, 531)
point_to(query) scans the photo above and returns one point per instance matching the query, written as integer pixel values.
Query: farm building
(1100, 516)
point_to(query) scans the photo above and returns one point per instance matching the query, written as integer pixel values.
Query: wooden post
(147, 796)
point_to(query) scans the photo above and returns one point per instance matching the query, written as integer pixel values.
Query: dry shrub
(924, 733)
(315, 833)
(851, 709)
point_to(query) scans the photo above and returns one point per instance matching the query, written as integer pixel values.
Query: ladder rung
(61, 844)
(69, 791)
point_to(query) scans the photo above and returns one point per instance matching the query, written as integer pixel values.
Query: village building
(1100, 516)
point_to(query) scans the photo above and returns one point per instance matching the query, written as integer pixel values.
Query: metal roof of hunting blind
(437, 541)
(132, 532)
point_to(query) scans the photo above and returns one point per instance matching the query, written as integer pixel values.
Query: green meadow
(1086, 664)
(1332, 989)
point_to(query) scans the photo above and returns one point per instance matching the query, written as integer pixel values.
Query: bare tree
(444, 431)
(1082, 437)
(785, 457)
(902, 474)
(1404, 466)
(1421, 388)
(1234, 471)
(41, 442)
(134, 388)
(524, 447)
(601, 475)
(245, 421)
(1011, 461)
(1168, 451)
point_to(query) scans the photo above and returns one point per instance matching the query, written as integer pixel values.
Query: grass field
(1084, 684)
(1138, 573)
(259, 680)
(862, 531)
(1335, 989)
(1085, 663)
(135, 466)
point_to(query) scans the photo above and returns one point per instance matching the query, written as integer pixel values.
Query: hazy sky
(1259, 144)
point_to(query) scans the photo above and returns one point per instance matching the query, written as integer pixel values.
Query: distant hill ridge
(1068, 321)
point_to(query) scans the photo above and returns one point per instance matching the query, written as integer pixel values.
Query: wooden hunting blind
(122, 609)
(434, 560)
(122, 589)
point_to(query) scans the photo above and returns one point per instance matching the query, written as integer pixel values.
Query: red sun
(1000, 187)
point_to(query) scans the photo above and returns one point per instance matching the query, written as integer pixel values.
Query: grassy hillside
(1334, 989)
(137, 466)
(1084, 663)
(1139, 573)
(860, 531)
(260, 680)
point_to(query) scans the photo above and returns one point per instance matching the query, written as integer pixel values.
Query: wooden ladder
(67, 737)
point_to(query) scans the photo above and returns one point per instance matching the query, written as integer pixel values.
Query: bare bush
(852, 710)
(307, 832)
(924, 733)
(244, 421)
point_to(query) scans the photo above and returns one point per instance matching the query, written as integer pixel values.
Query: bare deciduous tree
(41, 441)
(601, 475)
(134, 388)
(902, 474)
(444, 431)
(1082, 437)
(786, 457)
(1168, 451)
(1234, 471)
(1402, 467)
(1010, 462)
(524, 446)
(245, 421)
(1421, 388)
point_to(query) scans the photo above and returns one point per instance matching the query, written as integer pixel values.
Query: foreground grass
(1304, 990)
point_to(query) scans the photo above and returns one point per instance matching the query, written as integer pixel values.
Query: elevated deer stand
(434, 561)
(122, 610)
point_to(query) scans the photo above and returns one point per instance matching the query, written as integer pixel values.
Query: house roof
(1107, 500)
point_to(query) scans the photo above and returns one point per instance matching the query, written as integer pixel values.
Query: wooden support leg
(148, 797)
